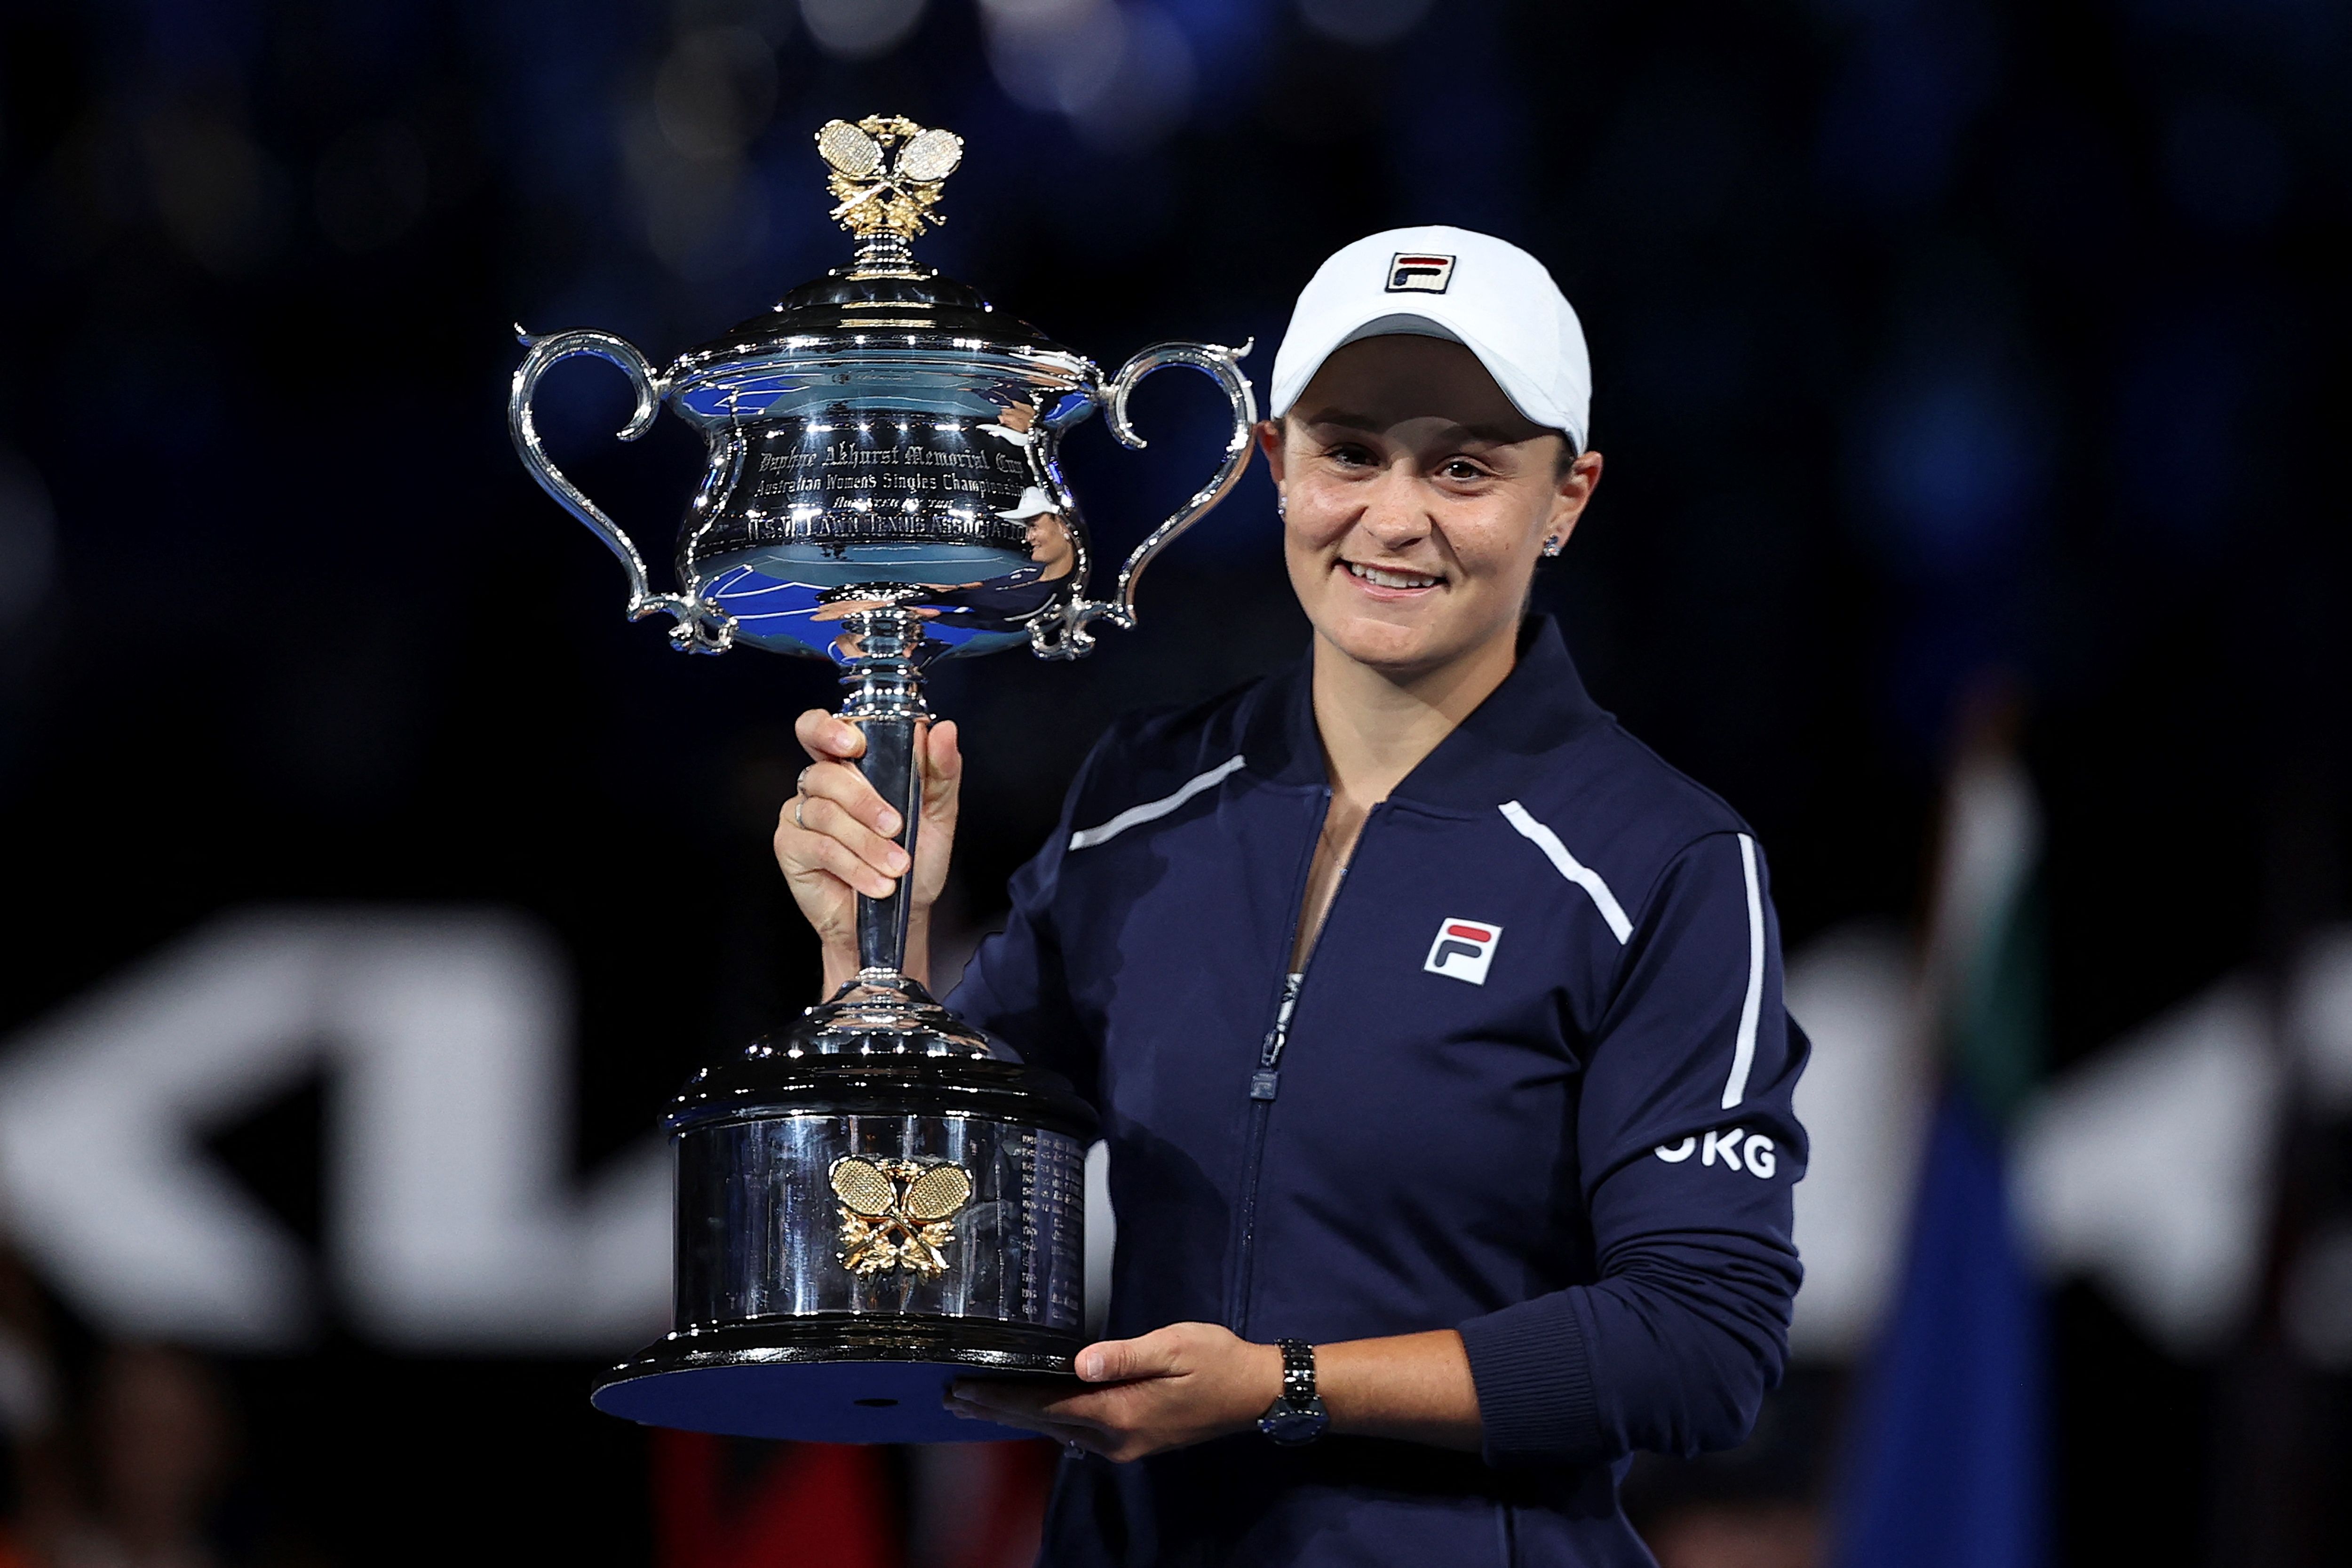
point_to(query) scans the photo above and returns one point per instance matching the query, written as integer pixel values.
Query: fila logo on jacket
(1462, 949)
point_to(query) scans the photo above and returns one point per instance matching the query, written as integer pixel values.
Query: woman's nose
(1394, 512)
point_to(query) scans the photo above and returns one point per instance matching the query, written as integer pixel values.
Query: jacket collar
(1541, 706)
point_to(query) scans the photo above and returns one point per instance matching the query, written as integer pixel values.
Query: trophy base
(831, 1378)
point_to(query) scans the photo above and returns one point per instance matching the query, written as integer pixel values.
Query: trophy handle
(700, 627)
(1066, 635)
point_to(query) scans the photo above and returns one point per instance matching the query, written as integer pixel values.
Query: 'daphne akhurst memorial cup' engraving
(871, 1203)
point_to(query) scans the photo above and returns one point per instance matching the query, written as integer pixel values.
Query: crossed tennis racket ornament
(881, 193)
(898, 1214)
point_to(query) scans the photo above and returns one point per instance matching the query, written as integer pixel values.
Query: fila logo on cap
(1463, 950)
(1410, 273)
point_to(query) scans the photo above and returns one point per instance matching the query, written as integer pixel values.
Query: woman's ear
(1568, 500)
(1269, 441)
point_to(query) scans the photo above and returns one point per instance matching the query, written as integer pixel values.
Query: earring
(1552, 545)
(1281, 507)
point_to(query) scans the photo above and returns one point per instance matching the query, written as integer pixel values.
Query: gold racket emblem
(879, 191)
(938, 1194)
(898, 1214)
(860, 1184)
(854, 153)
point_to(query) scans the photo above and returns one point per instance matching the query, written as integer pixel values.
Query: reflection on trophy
(869, 1204)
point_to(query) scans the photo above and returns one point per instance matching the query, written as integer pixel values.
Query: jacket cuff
(1533, 1378)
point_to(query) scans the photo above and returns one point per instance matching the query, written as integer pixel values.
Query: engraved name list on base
(1054, 1174)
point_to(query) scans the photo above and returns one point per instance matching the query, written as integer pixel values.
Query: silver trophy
(871, 1204)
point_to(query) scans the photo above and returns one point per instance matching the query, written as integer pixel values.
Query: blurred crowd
(132, 1456)
(124, 1456)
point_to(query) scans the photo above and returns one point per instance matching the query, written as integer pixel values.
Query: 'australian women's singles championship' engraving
(917, 481)
(807, 465)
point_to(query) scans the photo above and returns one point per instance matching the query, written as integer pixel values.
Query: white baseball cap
(1437, 281)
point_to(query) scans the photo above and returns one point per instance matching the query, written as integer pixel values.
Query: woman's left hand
(1184, 1384)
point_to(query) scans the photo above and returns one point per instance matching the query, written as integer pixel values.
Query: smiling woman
(1408, 479)
(1405, 980)
(1415, 499)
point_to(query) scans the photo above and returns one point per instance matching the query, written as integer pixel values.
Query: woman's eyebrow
(1363, 422)
(1491, 435)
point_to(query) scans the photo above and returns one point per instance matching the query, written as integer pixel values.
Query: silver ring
(799, 801)
(1071, 1450)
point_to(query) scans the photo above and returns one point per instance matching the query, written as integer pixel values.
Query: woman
(1437, 1024)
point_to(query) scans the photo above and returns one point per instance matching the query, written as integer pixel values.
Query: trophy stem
(885, 701)
(880, 1011)
(884, 255)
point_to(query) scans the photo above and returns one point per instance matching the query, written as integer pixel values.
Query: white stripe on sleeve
(1151, 810)
(1569, 867)
(1743, 1052)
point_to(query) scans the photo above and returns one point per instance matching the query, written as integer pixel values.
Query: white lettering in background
(1729, 1145)
(451, 1224)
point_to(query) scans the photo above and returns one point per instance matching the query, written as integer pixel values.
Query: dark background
(1931, 337)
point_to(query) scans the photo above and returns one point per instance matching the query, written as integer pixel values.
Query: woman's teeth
(1384, 578)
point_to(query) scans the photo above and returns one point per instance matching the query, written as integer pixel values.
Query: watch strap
(1297, 1371)
(1297, 1414)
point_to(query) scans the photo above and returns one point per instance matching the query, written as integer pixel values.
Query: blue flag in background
(1947, 1450)
(1946, 1446)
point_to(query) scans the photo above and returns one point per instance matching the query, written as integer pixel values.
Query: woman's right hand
(833, 838)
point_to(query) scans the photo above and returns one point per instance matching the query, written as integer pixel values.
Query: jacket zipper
(1265, 1082)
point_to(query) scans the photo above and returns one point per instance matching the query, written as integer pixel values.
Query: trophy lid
(887, 175)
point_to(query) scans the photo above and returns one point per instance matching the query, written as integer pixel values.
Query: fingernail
(887, 823)
(897, 861)
(1089, 1365)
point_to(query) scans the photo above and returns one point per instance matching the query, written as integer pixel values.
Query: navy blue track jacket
(1535, 1085)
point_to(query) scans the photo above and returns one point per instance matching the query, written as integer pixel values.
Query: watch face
(1287, 1423)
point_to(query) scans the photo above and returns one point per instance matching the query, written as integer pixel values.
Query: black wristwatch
(1298, 1416)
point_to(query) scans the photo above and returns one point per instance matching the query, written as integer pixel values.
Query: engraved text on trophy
(826, 478)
